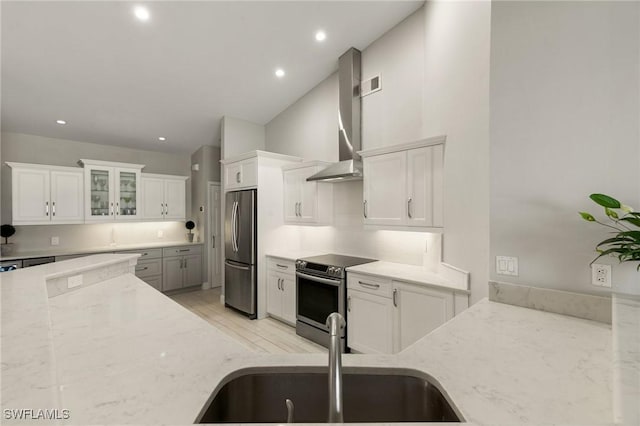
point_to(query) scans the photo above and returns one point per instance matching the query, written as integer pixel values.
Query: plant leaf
(605, 201)
(587, 217)
(634, 220)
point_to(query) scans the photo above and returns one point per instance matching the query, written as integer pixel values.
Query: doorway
(213, 238)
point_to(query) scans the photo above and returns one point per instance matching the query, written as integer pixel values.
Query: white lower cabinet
(370, 321)
(420, 310)
(386, 316)
(281, 290)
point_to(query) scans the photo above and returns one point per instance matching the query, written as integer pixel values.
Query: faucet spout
(336, 324)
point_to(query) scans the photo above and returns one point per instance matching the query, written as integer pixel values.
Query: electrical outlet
(74, 281)
(55, 241)
(601, 275)
(160, 233)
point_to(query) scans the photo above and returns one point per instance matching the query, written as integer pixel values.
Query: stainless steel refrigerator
(240, 277)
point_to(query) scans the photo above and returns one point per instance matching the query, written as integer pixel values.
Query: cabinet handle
(282, 285)
(183, 250)
(142, 269)
(364, 209)
(409, 208)
(162, 209)
(349, 304)
(237, 177)
(145, 254)
(166, 209)
(213, 241)
(46, 208)
(117, 208)
(282, 266)
(53, 208)
(279, 283)
(185, 264)
(369, 285)
(111, 209)
(395, 293)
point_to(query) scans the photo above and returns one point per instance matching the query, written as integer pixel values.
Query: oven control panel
(317, 268)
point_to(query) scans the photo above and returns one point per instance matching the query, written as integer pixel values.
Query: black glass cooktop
(338, 260)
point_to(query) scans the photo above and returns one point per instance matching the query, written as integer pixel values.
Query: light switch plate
(55, 241)
(507, 265)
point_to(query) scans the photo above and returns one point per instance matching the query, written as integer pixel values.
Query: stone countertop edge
(76, 266)
(408, 273)
(96, 250)
(293, 255)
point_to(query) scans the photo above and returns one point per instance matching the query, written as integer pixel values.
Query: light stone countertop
(293, 254)
(94, 250)
(410, 273)
(120, 352)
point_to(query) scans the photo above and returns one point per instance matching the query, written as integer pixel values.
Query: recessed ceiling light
(279, 73)
(142, 13)
(162, 139)
(61, 122)
(321, 35)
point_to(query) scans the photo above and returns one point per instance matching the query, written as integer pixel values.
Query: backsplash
(38, 237)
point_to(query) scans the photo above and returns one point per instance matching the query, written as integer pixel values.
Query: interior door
(215, 260)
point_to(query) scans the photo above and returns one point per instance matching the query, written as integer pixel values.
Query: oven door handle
(335, 283)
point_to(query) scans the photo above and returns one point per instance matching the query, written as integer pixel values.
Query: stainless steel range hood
(349, 125)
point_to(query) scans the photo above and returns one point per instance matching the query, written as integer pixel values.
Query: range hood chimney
(349, 125)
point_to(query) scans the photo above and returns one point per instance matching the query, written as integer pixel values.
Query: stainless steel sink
(392, 395)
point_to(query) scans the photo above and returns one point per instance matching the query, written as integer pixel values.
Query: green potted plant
(6, 231)
(624, 223)
(190, 225)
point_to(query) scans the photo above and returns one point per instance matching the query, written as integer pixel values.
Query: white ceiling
(120, 81)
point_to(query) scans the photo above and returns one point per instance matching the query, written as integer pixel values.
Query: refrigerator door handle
(233, 226)
(231, 265)
(236, 229)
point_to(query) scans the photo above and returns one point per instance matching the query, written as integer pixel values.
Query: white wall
(308, 128)
(434, 68)
(394, 115)
(456, 103)
(240, 136)
(564, 124)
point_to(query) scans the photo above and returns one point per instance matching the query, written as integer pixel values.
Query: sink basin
(370, 395)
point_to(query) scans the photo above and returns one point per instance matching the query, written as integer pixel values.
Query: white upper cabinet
(241, 174)
(163, 197)
(403, 185)
(383, 189)
(111, 191)
(306, 202)
(43, 194)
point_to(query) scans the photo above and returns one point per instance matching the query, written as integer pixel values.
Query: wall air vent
(370, 86)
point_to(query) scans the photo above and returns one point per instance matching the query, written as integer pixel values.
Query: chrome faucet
(336, 324)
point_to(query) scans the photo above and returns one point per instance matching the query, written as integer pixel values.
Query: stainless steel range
(321, 288)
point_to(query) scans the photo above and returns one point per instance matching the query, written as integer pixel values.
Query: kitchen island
(119, 352)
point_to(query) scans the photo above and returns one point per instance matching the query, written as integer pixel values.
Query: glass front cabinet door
(112, 193)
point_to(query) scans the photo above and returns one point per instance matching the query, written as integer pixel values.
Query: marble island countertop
(118, 351)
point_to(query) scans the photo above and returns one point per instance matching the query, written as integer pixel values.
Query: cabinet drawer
(281, 265)
(369, 284)
(147, 268)
(146, 254)
(181, 251)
